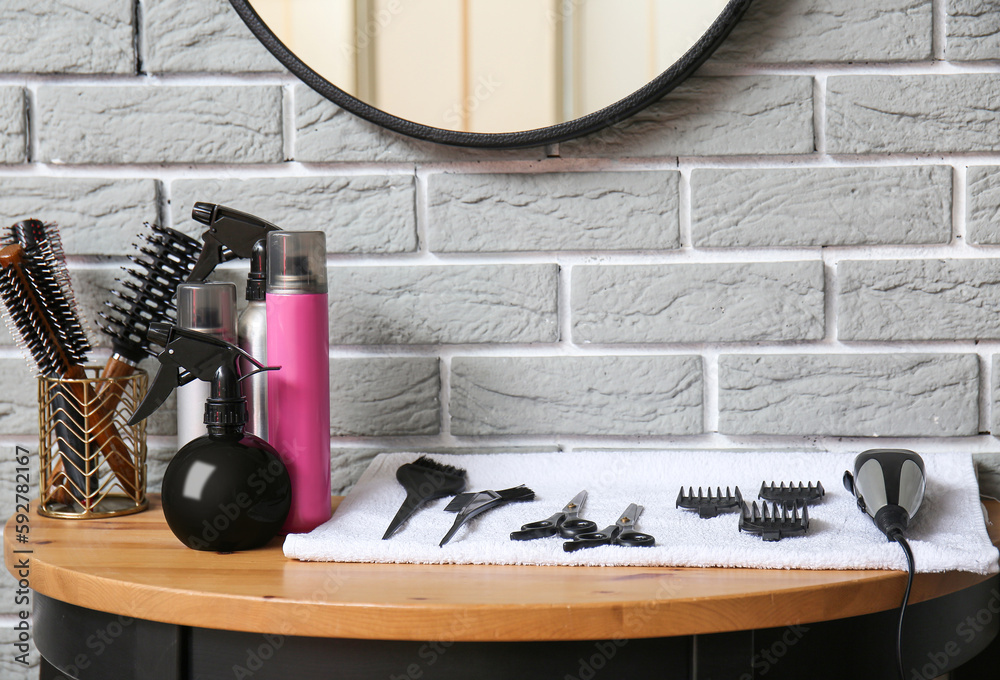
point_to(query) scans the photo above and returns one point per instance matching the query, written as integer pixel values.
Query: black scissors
(620, 533)
(566, 523)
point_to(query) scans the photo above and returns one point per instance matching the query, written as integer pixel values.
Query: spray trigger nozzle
(231, 234)
(188, 355)
(259, 370)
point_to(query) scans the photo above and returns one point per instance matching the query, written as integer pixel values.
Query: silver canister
(208, 308)
(253, 340)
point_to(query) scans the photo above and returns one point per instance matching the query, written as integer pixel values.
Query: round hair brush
(43, 268)
(38, 311)
(44, 265)
(146, 294)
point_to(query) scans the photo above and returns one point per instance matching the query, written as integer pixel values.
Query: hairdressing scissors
(566, 523)
(620, 533)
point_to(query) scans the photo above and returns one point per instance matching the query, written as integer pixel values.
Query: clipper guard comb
(709, 505)
(775, 523)
(792, 495)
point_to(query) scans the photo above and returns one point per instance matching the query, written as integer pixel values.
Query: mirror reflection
(488, 66)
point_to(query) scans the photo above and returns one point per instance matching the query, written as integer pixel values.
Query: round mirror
(491, 74)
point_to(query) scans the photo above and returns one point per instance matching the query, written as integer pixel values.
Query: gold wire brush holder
(93, 464)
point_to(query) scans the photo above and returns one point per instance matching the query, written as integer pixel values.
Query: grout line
(31, 131)
(685, 219)
(933, 66)
(691, 256)
(831, 300)
(564, 303)
(959, 217)
(705, 441)
(712, 390)
(561, 350)
(445, 397)
(555, 165)
(143, 79)
(421, 210)
(288, 132)
(819, 114)
(163, 197)
(939, 29)
(138, 43)
(936, 65)
(986, 393)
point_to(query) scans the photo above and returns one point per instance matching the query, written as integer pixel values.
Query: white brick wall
(795, 249)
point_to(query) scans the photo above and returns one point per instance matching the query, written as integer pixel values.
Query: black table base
(942, 635)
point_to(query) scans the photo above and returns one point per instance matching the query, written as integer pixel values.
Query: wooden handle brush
(57, 344)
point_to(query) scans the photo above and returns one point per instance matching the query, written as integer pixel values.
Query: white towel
(948, 532)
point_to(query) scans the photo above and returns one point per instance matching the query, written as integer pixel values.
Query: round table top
(134, 566)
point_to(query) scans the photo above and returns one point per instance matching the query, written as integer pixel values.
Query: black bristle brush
(145, 295)
(44, 266)
(424, 480)
(43, 316)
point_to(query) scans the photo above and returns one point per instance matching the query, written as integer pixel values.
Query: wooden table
(211, 614)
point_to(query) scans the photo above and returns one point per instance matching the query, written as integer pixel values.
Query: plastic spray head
(257, 279)
(189, 355)
(889, 486)
(230, 234)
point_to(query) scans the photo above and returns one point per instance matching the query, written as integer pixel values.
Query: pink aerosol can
(298, 396)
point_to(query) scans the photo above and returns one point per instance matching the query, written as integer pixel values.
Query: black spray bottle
(228, 490)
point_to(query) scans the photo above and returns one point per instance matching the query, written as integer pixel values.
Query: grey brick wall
(13, 140)
(862, 395)
(793, 249)
(112, 125)
(739, 208)
(772, 301)
(553, 211)
(63, 36)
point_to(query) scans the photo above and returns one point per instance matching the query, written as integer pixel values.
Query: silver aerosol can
(253, 341)
(208, 308)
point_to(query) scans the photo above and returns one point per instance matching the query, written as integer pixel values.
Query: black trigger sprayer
(889, 486)
(231, 234)
(228, 490)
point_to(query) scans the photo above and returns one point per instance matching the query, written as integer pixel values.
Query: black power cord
(897, 536)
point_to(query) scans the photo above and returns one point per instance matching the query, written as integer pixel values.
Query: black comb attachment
(709, 505)
(776, 522)
(792, 494)
(145, 294)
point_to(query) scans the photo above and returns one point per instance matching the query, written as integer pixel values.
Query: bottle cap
(208, 308)
(296, 262)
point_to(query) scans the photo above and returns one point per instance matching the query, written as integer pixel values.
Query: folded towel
(948, 533)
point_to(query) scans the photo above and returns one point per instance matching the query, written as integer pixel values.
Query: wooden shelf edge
(847, 594)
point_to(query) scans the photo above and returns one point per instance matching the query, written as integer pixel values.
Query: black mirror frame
(592, 122)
